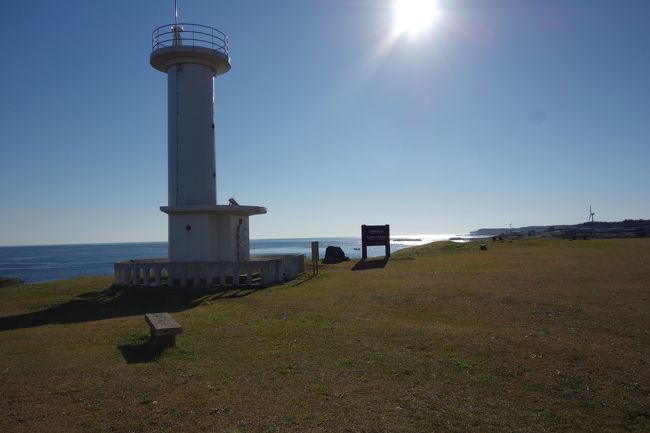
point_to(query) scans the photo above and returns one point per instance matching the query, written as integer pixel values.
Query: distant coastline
(602, 229)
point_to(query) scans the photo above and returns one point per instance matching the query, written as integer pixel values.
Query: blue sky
(504, 111)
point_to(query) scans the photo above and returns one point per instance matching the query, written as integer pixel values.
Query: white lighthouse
(208, 243)
(192, 56)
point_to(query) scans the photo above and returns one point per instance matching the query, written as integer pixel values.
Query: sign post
(375, 236)
(314, 257)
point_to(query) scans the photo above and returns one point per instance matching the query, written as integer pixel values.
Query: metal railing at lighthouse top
(191, 35)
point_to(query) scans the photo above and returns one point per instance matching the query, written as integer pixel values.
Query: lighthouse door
(242, 240)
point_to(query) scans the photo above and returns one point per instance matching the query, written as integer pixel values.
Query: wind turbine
(591, 215)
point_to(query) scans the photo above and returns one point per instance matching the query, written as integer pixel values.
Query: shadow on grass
(364, 265)
(139, 353)
(116, 302)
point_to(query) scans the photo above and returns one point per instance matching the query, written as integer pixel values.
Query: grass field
(528, 336)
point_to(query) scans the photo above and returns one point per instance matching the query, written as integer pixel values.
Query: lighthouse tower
(200, 230)
(208, 243)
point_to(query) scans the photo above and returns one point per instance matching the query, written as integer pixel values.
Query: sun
(415, 16)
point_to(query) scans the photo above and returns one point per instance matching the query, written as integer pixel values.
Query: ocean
(42, 263)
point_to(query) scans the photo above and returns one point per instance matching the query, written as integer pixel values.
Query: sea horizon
(435, 237)
(43, 263)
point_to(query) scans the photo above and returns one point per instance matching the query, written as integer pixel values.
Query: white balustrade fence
(258, 272)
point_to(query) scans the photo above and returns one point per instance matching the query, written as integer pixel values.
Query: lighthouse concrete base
(217, 233)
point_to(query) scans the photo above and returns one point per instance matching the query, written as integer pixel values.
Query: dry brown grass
(529, 336)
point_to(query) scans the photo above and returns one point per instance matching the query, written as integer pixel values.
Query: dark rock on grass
(334, 255)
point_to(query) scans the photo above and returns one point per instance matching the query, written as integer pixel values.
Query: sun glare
(415, 16)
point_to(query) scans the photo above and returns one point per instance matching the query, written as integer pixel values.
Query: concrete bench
(164, 328)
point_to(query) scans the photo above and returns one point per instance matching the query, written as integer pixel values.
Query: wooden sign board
(375, 236)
